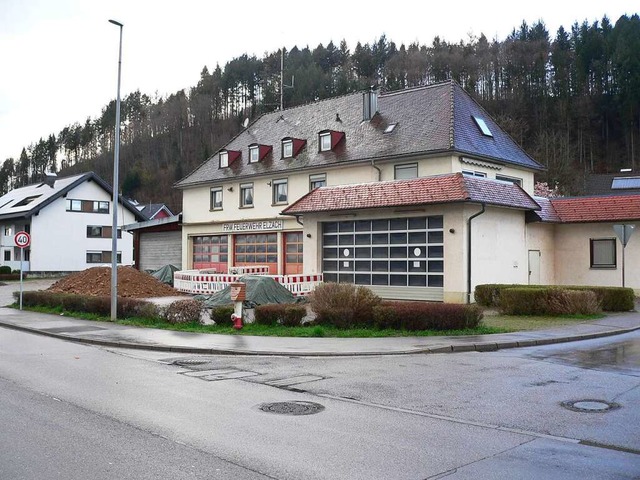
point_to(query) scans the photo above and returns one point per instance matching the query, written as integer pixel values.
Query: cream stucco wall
(573, 261)
(541, 238)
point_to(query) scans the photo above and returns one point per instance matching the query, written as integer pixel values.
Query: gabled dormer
(227, 157)
(329, 139)
(258, 152)
(291, 147)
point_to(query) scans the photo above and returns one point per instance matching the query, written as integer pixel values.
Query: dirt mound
(97, 281)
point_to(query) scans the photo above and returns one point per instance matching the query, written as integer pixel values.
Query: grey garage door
(158, 249)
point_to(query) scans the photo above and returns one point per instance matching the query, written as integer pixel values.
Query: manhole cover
(590, 405)
(292, 408)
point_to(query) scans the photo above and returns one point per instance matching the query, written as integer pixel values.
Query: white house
(418, 194)
(70, 222)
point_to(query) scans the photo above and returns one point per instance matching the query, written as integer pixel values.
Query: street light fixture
(114, 227)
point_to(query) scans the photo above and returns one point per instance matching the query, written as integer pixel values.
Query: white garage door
(158, 249)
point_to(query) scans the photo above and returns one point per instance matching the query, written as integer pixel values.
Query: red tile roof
(614, 208)
(420, 191)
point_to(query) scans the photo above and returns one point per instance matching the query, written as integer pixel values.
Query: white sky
(58, 58)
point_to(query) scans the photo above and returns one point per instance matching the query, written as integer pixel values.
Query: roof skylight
(482, 125)
(621, 183)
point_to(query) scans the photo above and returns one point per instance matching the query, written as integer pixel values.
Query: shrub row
(287, 315)
(611, 299)
(127, 307)
(548, 301)
(343, 305)
(414, 316)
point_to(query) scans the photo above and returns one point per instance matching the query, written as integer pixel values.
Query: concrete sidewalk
(113, 335)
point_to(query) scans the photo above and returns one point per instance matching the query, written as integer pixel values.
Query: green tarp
(165, 274)
(261, 290)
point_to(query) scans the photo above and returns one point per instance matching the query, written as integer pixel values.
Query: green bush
(222, 315)
(413, 316)
(343, 305)
(572, 302)
(612, 299)
(127, 307)
(524, 301)
(280, 314)
(5, 270)
(183, 311)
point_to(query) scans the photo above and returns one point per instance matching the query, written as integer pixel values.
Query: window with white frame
(99, 231)
(603, 252)
(287, 148)
(405, 172)
(216, 198)
(325, 141)
(7, 231)
(254, 154)
(104, 256)
(472, 173)
(504, 178)
(246, 195)
(318, 180)
(224, 159)
(7, 255)
(87, 206)
(279, 191)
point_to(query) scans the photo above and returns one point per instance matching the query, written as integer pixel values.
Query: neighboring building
(417, 194)
(623, 183)
(70, 222)
(154, 211)
(157, 242)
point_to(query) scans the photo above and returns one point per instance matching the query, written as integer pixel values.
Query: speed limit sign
(22, 239)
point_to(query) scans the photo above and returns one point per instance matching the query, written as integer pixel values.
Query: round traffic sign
(22, 239)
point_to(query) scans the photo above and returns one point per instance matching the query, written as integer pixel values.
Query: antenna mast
(282, 85)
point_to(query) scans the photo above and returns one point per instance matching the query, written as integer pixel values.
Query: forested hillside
(572, 100)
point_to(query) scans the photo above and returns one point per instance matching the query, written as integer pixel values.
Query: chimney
(369, 103)
(50, 178)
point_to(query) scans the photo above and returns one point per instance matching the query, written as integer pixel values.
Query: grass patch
(515, 323)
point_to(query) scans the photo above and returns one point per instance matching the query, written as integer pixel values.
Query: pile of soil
(96, 281)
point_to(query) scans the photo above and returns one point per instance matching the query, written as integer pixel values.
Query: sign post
(624, 233)
(22, 241)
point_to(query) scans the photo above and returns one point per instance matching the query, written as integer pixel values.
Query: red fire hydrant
(237, 321)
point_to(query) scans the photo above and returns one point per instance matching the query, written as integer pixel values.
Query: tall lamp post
(114, 227)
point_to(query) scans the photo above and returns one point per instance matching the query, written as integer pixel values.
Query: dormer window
(291, 147)
(227, 157)
(254, 154)
(287, 148)
(258, 152)
(329, 139)
(325, 142)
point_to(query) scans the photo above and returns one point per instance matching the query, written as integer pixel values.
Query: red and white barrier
(200, 282)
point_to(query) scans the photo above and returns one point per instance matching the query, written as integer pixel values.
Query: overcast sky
(58, 58)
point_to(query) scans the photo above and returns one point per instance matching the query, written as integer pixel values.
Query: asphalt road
(75, 412)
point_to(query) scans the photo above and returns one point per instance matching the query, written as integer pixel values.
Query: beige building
(417, 194)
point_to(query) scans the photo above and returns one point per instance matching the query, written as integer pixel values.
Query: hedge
(127, 307)
(612, 299)
(280, 314)
(222, 315)
(548, 301)
(414, 316)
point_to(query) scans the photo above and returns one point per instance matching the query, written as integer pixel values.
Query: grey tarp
(165, 274)
(261, 290)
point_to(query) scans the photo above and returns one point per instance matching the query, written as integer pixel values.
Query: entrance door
(534, 267)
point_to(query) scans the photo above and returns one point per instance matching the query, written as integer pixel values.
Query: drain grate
(190, 362)
(292, 408)
(590, 406)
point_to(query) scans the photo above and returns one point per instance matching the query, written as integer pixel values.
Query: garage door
(158, 249)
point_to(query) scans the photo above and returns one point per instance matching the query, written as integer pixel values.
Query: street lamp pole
(114, 206)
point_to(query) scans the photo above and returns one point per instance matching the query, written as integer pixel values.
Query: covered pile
(261, 290)
(96, 281)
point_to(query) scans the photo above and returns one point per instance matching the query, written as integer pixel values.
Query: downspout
(298, 220)
(373, 164)
(469, 250)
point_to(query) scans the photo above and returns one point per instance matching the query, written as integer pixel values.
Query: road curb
(453, 348)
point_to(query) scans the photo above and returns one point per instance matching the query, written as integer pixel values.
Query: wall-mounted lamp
(452, 230)
(230, 189)
(269, 183)
(308, 235)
